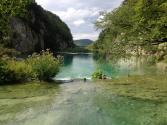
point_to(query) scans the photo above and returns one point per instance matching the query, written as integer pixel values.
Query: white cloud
(43, 3)
(72, 14)
(80, 14)
(78, 22)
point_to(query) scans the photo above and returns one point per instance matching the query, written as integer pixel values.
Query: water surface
(136, 96)
(84, 65)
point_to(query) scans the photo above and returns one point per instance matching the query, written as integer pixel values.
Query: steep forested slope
(136, 23)
(27, 27)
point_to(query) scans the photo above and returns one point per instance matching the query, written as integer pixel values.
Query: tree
(8, 9)
(135, 23)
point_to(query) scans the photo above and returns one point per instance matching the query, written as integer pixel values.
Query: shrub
(9, 52)
(44, 65)
(13, 71)
(41, 66)
(2, 70)
(165, 58)
(98, 75)
(151, 59)
(18, 71)
(160, 57)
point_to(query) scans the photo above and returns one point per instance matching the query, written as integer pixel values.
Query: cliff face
(41, 30)
(25, 39)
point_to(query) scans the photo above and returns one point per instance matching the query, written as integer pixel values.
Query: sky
(80, 15)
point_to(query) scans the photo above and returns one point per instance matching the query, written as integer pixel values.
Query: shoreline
(77, 53)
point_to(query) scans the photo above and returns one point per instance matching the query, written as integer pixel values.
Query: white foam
(72, 79)
(64, 79)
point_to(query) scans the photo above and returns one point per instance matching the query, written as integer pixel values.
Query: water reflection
(68, 60)
(83, 66)
(77, 66)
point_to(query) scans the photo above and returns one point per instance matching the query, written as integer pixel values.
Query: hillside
(83, 42)
(135, 25)
(28, 28)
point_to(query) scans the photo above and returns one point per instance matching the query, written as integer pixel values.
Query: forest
(138, 26)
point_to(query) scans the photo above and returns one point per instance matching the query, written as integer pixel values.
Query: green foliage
(2, 70)
(165, 58)
(41, 22)
(42, 66)
(9, 52)
(15, 71)
(151, 60)
(8, 9)
(98, 75)
(45, 65)
(19, 71)
(77, 50)
(151, 49)
(134, 23)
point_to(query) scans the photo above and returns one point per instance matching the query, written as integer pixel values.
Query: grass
(153, 88)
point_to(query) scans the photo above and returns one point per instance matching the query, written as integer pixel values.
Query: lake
(136, 95)
(79, 66)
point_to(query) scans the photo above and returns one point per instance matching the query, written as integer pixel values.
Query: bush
(9, 52)
(18, 71)
(15, 71)
(44, 65)
(2, 70)
(98, 75)
(165, 58)
(151, 59)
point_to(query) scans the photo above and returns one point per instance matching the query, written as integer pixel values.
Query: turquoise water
(132, 101)
(77, 66)
(84, 65)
